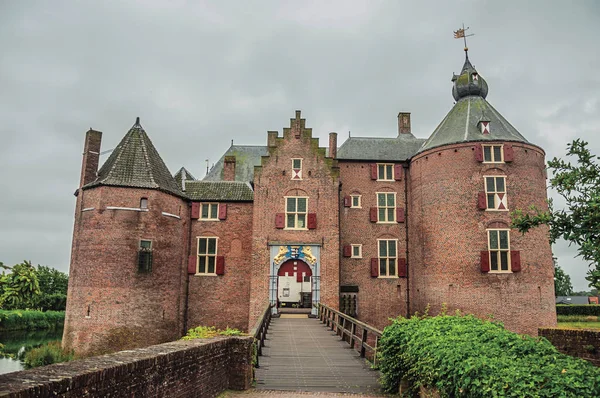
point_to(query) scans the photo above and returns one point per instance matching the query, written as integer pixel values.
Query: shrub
(205, 332)
(578, 309)
(31, 320)
(46, 354)
(468, 357)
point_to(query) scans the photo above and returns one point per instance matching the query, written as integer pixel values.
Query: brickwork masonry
(577, 343)
(195, 368)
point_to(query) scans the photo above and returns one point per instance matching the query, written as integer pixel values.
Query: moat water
(17, 343)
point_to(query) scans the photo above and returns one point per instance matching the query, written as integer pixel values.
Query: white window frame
(210, 217)
(386, 207)
(499, 250)
(358, 198)
(296, 213)
(356, 246)
(386, 176)
(387, 259)
(294, 168)
(492, 155)
(495, 197)
(206, 255)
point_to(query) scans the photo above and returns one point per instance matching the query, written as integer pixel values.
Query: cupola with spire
(469, 82)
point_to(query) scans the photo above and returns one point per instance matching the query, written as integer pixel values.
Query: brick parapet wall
(196, 368)
(578, 343)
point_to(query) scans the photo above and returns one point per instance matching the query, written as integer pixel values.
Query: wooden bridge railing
(352, 331)
(260, 331)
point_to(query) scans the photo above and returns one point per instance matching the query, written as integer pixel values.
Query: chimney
(271, 139)
(91, 157)
(333, 145)
(229, 168)
(404, 123)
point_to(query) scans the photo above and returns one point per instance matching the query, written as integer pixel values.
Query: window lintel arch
(296, 192)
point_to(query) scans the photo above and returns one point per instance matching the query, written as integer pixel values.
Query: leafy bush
(205, 332)
(470, 357)
(47, 354)
(31, 320)
(578, 309)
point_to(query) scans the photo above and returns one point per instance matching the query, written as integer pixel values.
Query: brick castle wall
(578, 343)
(196, 368)
(448, 231)
(110, 305)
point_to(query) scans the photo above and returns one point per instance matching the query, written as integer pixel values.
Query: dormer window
(475, 76)
(484, 127)
(296, 169)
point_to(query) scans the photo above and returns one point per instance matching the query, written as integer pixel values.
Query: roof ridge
(143, 137)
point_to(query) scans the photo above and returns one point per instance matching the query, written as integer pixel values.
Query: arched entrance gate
(308, 254)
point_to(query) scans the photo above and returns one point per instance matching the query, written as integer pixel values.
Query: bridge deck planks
(304, 355)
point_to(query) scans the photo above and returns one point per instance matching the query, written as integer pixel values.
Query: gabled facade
(378, 227)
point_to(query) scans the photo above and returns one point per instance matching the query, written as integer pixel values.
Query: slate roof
(461, 123)
(572, 300)
(181, 176)
(135, 162)
(246, 156)
(396, 149)
(234, 191)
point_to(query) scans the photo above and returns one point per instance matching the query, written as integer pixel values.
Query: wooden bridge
(325, 354)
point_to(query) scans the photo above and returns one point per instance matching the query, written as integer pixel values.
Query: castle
(377, 227)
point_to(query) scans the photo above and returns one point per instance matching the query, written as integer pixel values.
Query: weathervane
(461, 33)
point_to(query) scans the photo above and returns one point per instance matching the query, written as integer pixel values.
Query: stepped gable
(395, 149)
(227, 191)
(462, 123)
(246, 156)
(181, 176)
(135, 162)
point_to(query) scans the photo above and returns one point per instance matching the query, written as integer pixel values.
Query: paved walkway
(301, 354)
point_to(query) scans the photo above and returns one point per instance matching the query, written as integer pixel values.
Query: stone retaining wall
(577, 343)
(196, 368)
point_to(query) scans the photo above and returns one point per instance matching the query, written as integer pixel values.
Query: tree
(19, 287)
(579, 223)
(562, 281)
(53, 287)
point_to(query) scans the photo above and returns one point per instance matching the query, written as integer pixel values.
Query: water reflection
(17, 343)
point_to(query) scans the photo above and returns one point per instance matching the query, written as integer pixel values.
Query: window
(145, 256)
(492, 154)
(356, 251)
(385, 172)
(143, 203)
(386, 207)
(296, 169)
(499, 248)
(295, 212)
(207, 256)
(495, 193)
(209, 211)
(355, 201)
(387, 258)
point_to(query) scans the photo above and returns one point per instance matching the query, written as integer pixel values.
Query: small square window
(144, 203)
(356, 251)
(209, 211)
(492, 154)
(355, 201)
(296, 169)
(385, 172)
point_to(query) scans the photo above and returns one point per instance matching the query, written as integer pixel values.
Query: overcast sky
(200, 74)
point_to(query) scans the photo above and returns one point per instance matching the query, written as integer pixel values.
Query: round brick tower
(465, 180)
(129, 253)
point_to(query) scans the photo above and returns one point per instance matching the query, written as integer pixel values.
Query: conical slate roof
(182, 176)
(462, 123)
(135, 162)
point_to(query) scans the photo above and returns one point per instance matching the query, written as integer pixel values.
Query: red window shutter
(220, 269)
(515, 261)
(374, 267)
(373, 171)
(485, 261)
(347, 201)
(312, 221)
(509, 153)
(222, 211)
(478, 153)
(398, 169)
(195, 210)
(373, 214)
(481, 200)
(280, 220)
(399, 214)
(402, 267)
(192, 264)
(347, 251)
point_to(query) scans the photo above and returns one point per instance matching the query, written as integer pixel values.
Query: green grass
(31, 320)
(579, 325)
